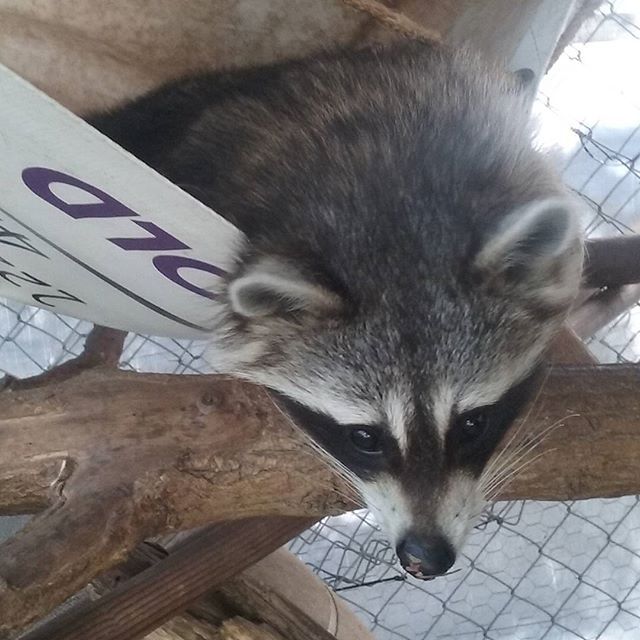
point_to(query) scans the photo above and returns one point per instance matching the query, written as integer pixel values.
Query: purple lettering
(169, 266)
(159, 240)
(40, 179)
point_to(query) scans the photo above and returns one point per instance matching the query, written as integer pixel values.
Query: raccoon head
(410, 387)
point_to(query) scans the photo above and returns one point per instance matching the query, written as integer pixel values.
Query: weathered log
(603, 307)
(143, 454)
(282, 591)
(612, 262)
(203, 561)
(185, 627)
(139, 455)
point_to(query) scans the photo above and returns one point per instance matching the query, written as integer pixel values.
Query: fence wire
(531, 571)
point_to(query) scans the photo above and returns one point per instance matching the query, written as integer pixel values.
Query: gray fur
(377, 177)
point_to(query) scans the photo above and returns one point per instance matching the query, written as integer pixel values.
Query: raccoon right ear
(272, 286)
(536, 248)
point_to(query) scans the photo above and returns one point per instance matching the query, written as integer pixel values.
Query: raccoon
(409, 256)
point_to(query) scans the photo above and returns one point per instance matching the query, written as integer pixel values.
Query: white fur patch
(272, 283)
(496, 383)
(232, 359)
(442, 401)
(388, 504)
(554, 262)
(458, 508)
(482, 394)
(399, 411)
(486, 390)
(319, 397)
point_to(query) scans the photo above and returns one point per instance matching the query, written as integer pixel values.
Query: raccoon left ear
(272, 286)
(537, 248)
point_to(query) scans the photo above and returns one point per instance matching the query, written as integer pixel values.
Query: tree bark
(117, 457)
(612, 262)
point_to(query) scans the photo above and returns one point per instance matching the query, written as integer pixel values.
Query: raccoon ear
(538, 249)
(271, 286)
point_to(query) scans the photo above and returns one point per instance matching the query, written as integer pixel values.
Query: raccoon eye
(366, 440)
(472, 425)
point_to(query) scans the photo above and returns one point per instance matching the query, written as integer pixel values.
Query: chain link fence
(531, 571)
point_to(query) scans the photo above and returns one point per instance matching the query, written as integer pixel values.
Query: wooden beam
(205, 560)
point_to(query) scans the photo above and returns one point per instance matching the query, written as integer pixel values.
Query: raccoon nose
(425, 557)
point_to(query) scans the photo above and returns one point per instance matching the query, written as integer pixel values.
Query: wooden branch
(595, 448)
(143, 454)
(612, 262)
(103, 347)
(185, 627)
(138, 455)
(282, 591)
(278, 590)
(601, 308)
(241, 629)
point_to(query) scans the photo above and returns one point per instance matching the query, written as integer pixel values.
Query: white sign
(88, 230)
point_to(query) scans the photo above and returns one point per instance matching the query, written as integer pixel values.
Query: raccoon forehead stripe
(399, 413)
(442, 402)
(495, 384)
(339, 406)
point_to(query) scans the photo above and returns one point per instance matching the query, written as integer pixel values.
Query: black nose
(425, 556)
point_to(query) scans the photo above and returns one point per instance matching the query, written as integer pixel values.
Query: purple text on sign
(39, 181)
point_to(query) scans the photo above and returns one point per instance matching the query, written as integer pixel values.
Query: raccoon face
(411, 393)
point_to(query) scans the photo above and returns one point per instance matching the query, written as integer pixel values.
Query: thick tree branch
(612, 262)
(138, 455)
(601, 308)
(144, 454)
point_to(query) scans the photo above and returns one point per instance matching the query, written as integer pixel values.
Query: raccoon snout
(425, 557)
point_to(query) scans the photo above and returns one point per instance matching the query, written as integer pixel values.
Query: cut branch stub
(612, 262)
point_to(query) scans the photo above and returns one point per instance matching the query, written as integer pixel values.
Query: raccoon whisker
(499, 477)
(508, 479)
(513, 462)
(518, 431)
(335, 465)
(476, 516)
(338, 468)
(353, 498)
(527, 445)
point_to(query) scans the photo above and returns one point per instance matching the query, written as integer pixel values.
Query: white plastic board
(89, 231)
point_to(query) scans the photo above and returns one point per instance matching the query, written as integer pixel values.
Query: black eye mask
(474, 435)
(364, 448)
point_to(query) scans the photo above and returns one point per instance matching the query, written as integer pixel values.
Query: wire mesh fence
(531, 571)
